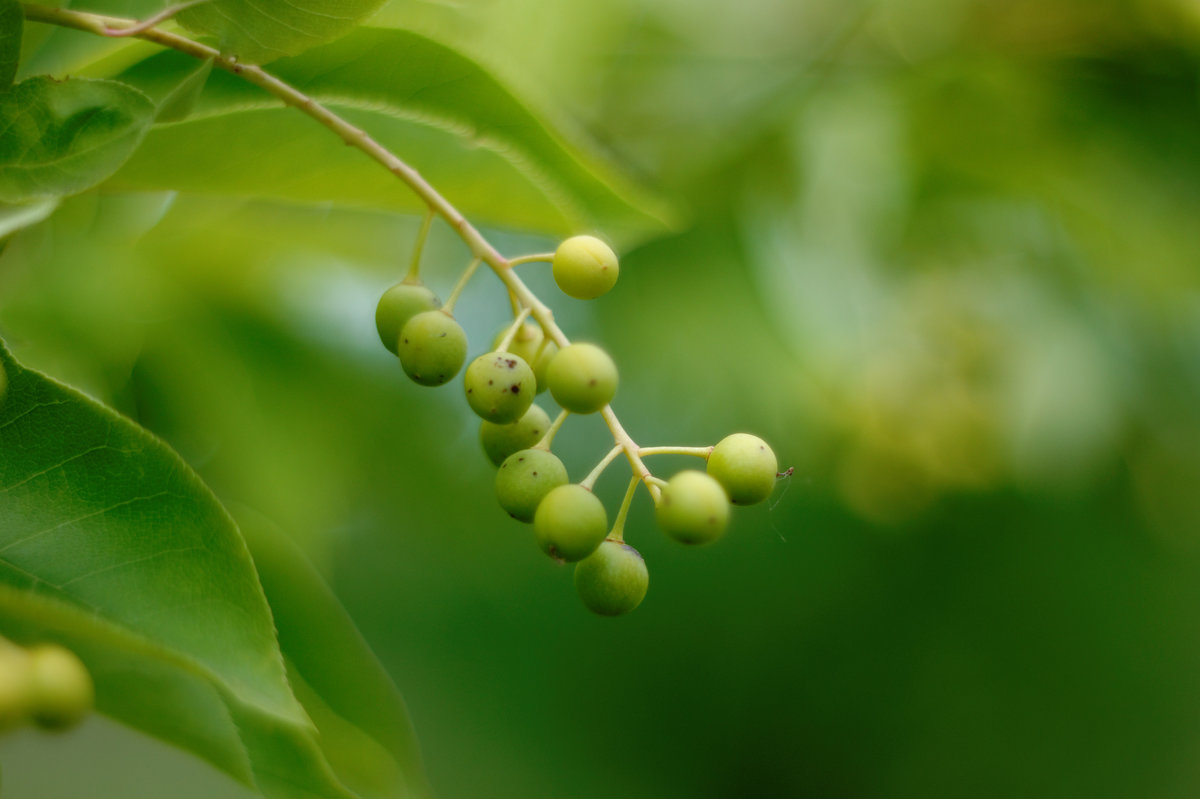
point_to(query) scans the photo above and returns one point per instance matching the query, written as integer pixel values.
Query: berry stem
(702, 452)
(530, 259)
(590, 480)
(353, 136)
(512, 330)
(548, 439)
(625, 442)
(460, 285)
(414, 266)
(618, 530)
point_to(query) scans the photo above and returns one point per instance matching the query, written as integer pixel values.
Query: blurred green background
(942, 254)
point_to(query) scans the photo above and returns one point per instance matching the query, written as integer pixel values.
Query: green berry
(534, 348)
(693, 508)
(501, 440)
(542, 365)
(14, 687)
(745, 466)
(585, 267)
(570, 523)
(61, 690)
(398, 304)
(613, 579)
(525, 478)
(500, 387)
(582, 378)
(432, 347)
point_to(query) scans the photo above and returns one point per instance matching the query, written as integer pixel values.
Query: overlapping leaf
(111, 545)
(478, 143)
(61, 137)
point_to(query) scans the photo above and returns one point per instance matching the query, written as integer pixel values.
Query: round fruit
(500, 387)
(584, 267)
(582, 378)
(61, 691)
(501, 440)
(542, 364)
(525, 478)
(398, 304)
(528, 343)
(570, 523)
(693, 508)
(613, 579)
(14, 687)
(432, 347)
(745, 466)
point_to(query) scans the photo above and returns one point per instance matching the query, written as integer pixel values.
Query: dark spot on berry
(490, 382)
(441, 335)
(592, 382)
(535, 474)
(516, 389)
(511, 363)
(470, 390)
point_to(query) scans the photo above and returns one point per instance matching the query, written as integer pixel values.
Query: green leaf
(110, 545)
(98, 514)
(61, 137)
(363, 723)
(257, 31)
(173, 82)
(11, 22)
(498, 160)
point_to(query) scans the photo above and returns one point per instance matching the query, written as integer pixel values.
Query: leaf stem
(150, 22)
(355, 137)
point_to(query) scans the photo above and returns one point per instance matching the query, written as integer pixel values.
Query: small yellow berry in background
(61, 690)
(585, 267)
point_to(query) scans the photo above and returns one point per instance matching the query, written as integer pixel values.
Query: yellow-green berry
(613, 579)
(570, 522)
(501, 440)
(432, 347)
(693, 508)
(533, 347)
(582, 378)
(61, 691)
(500, 387)
(398, 304)
(14, 687)
(745, 466)
(584, 267)
(525, 478)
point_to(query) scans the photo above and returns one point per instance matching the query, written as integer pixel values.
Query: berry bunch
(46, 685)
(570, 523)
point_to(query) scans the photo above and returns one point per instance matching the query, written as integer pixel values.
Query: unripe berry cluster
(45, 685)
(570, 524)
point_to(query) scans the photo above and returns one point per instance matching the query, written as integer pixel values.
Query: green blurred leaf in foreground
(61, 137)
(110, 544)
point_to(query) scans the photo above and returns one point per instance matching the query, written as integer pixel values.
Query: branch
(355, 137)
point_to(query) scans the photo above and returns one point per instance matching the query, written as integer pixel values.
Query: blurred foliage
(941, 254)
